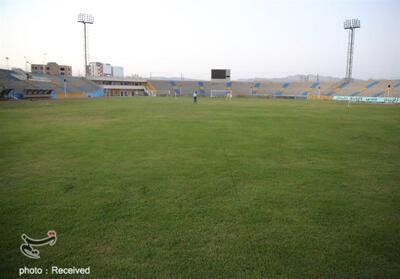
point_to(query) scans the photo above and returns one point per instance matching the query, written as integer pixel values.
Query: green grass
(162, 188)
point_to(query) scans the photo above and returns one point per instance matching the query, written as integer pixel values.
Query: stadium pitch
(162, 188)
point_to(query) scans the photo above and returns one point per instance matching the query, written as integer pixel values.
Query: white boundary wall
(388, 100)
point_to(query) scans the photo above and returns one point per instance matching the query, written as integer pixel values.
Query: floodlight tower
(85, 19)
(350, 24)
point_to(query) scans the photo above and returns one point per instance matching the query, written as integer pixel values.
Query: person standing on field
(195, 97)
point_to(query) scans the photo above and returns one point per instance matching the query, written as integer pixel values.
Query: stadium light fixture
(85, 19)
(351, 25)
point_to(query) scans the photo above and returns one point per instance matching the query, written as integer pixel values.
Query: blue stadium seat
(314, 85)
(378, 94)
(344, 84)
(372, 84)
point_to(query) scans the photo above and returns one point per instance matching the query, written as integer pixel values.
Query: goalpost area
(220, 93)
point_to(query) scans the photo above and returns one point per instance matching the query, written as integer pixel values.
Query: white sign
(390, 100)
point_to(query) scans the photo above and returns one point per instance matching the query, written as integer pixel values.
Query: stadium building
(99, 69)
(122, 86)
(52, 68)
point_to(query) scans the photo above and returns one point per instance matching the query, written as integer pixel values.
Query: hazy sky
(254, 38)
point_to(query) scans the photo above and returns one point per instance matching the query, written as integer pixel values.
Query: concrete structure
(107, 70)
(122, 87)
(52, 68)
(117, 71)
(95, 69)
(99, 69)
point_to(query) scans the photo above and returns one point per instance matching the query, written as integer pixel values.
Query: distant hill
(173, 78)
(298, 78)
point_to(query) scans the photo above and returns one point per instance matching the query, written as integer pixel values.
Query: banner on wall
(388, 100)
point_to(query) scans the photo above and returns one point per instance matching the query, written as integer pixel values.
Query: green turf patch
(162, 188)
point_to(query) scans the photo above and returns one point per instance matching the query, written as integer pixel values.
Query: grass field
(162, 188)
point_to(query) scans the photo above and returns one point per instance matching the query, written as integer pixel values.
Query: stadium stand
(344, 84)
(20, 85)
(378, 94)
(364, 90)
(201, 90)
(283, 90)
(372, 84)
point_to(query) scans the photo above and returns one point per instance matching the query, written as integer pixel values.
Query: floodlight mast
(85, 19)
(350, 24)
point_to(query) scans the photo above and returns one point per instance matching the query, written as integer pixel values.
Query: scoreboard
(220, 74)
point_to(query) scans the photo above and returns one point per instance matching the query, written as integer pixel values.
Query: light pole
(65, 88)
(26, 64)
(8, 67)
(388, 91)
(351, 25)
(85, 19)
(44, 63)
